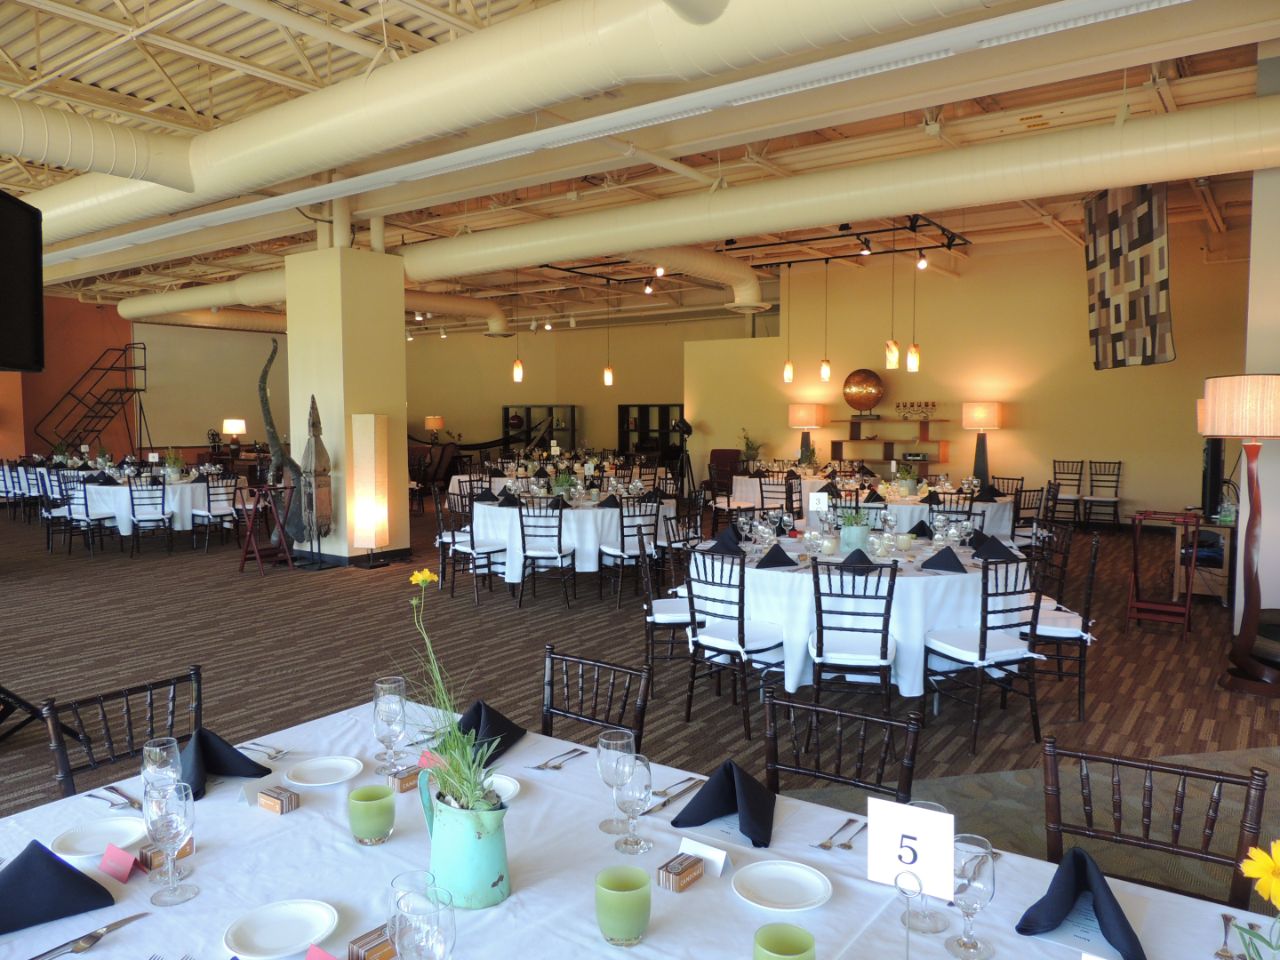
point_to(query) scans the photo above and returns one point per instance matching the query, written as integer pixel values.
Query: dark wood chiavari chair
(457, 537)
(1154, 775)
(1062, 636)
(840, 746)
(1026, 514)
(1147, 606)
(670, 614)
(684, 532)
(55, 511)
(637, 525)
(1069, 476)
(1104, 491)
(149, 511)
(594, 692)
(114, 726)
(1008, 486)
(219, 511)
(542, 546)
(81, 517)
(956, 507)
(851, 637)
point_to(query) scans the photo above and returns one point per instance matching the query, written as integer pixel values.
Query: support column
(346, 346)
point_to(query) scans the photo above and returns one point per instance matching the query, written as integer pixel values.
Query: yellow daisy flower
(1266, 870)
(423, 577)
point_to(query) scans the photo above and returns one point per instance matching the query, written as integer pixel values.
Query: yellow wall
(467, 378)
(1013, 328)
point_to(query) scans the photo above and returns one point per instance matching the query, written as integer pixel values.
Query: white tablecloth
(246, 857)
(585, 529)
(181, 498)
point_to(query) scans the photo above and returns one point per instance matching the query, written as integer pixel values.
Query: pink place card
(119, 864)
(315, 953)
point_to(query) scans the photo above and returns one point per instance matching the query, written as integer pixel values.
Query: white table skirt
(245, 858)
(585, 529)
(180, 498)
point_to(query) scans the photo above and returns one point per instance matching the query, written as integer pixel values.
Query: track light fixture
(443, 334)
(922, 262)
(659, 271)
(547, 325)
(408, 336)
(417, 316)
(648, 287)
(866, 247)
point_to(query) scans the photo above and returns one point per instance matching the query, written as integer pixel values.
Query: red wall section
(12, 438)
(75, 334)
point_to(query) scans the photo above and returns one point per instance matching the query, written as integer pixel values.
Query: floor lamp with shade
(435, 425)
(1247, 407)
(806, 417)
(980, 415)
(369, 516)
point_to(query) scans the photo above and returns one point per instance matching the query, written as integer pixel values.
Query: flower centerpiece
(464, 815)
(908, 478)
(1265, 869)
(750, 448)
(855, 529)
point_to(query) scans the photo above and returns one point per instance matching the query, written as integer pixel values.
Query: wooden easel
(256, 500)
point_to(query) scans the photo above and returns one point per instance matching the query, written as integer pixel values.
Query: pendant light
(891, 348)
(608, 322)
(824, 369)
(913, 352)
(517, 368)
(788, 368)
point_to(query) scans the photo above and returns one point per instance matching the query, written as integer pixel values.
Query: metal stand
(315, 562)
(685, 486)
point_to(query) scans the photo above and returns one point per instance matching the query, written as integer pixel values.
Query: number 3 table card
(900, 837)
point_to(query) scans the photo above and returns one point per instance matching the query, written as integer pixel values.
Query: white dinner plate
(89, 840)
(505, 787)
(782, 885)
(324, 771)
(280, 929)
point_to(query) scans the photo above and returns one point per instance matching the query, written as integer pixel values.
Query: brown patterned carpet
(284, 648)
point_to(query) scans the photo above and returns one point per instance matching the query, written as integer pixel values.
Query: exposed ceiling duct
(308, 26)
(449, 305)
(698, 11)
(709, 265)
(561, 52)
(251, 290)
(257, 321)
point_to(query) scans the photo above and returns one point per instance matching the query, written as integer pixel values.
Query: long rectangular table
(246, 857)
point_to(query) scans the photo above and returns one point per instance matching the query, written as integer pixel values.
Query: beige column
(346, 346)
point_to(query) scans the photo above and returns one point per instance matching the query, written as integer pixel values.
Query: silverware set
(559, 760)
(115, 804)
(847, 844)
(270, 752)
(667, 791)
(128, 800)
(81, 944)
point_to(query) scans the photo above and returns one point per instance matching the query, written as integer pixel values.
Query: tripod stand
(685, 484)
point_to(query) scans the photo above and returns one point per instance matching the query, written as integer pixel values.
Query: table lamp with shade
(806, 417)
(233, 428)
(1247, 407)
(980, 415)
(435, 425)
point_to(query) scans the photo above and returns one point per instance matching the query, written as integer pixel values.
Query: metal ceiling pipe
(1206, 141)
(454, 306)
(709, 265)
(560, 52)
(61, 138)
(309, 26)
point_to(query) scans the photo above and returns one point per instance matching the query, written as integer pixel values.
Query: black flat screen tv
(21, 288)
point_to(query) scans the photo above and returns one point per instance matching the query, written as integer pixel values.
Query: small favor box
(373, 945)
(152, 857)
(278, 800)
(680, 872)
(404, 779)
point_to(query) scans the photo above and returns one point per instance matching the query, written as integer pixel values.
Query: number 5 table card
(921, 841)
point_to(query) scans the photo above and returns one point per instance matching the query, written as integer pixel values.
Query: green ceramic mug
(372, 812)
(622, 904)
(783, 941)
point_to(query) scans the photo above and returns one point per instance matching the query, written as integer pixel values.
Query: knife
(674, 797)
(124, 796)
(81, 944)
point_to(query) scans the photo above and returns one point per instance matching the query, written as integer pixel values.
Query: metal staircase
(102, 393)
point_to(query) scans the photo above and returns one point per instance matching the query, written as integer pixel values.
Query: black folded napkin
(1077, 874)
(486, 496)
(103, 480)
(831, 475)
(922, 529)
(931, 498)
(541, 473)
(830, 488)
(727, 790)
(792, 475)
(872, 497)
(994, 549)
(37, 886)
(858, 562)
(865, 471)
(776, 557)
(978, 538)
(495, 472)
(207, 754)
(593, 485)
(757, 474)
(726, 542)
(507, 500)
(200, 478)
(945, 561)
(652, 496)
(556, 503)
(490, 725)
(610, 501)
(988, 494)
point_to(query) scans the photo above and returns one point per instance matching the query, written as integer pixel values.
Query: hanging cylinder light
(788, 368)
(913, 351)
(824, 368)
(517, 368)
(608, 365)
(891, 348)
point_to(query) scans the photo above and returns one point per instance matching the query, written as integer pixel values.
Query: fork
(271, 753)
(114, 804)
(563, 758)
(666, 791)
(826, 844)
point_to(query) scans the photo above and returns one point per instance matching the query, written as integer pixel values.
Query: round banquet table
(496, 484)
(585, 528)
(180, 498)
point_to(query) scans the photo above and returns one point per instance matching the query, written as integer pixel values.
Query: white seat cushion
(60, 512)
(1003, 646)
(613, 550)
(853, 650)
(151, 516)
(1058, 623)
(757, 636)
(1097, 499)
(1068, 496)
(670, 611)
(727, 503)
(548, 553)
(481, 546)
(93, 515)
(224, 511)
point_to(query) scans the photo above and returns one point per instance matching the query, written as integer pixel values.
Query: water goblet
(161, 761)
(953, 534)
(388, 720)
(975, 873)
(890, 522)
(743, 521)
(966, 531)
(168, 810)
(632, 793)
(788, 521)
(424, 925)
(939, 523)
(610, 747)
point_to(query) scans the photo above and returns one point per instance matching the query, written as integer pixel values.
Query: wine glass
(161, 761)
(388, 720)
(744, 525)
(611, 746)
(632, 793)
(939, 524)
(788, 521)
(890, 522)
(966, 531)
(168, 810)
(424, 925)
(975, 872)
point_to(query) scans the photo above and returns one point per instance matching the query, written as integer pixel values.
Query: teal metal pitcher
(468, 850)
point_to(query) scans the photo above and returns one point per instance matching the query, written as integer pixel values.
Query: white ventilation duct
(450, 305)
(709, 265)
(257, 321)
(251, 290)
(64, 139)
(560, 52)
(1227, 138)
(698, 11)
(308, 26)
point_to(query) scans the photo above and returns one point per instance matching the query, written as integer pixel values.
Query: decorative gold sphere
(863, 389)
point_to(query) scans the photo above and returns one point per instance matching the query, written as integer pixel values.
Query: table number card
(819, 502)
(119, 864)
(153, 458)
(901, 838)
(713, 858)
(588, 469)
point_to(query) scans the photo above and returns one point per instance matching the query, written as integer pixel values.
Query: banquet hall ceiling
(182, 67)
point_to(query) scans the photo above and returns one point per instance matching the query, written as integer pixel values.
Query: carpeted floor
(285, 647)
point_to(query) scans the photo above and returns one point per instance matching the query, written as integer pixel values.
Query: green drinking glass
(783, 941)
(622, 904)
(372, 812)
